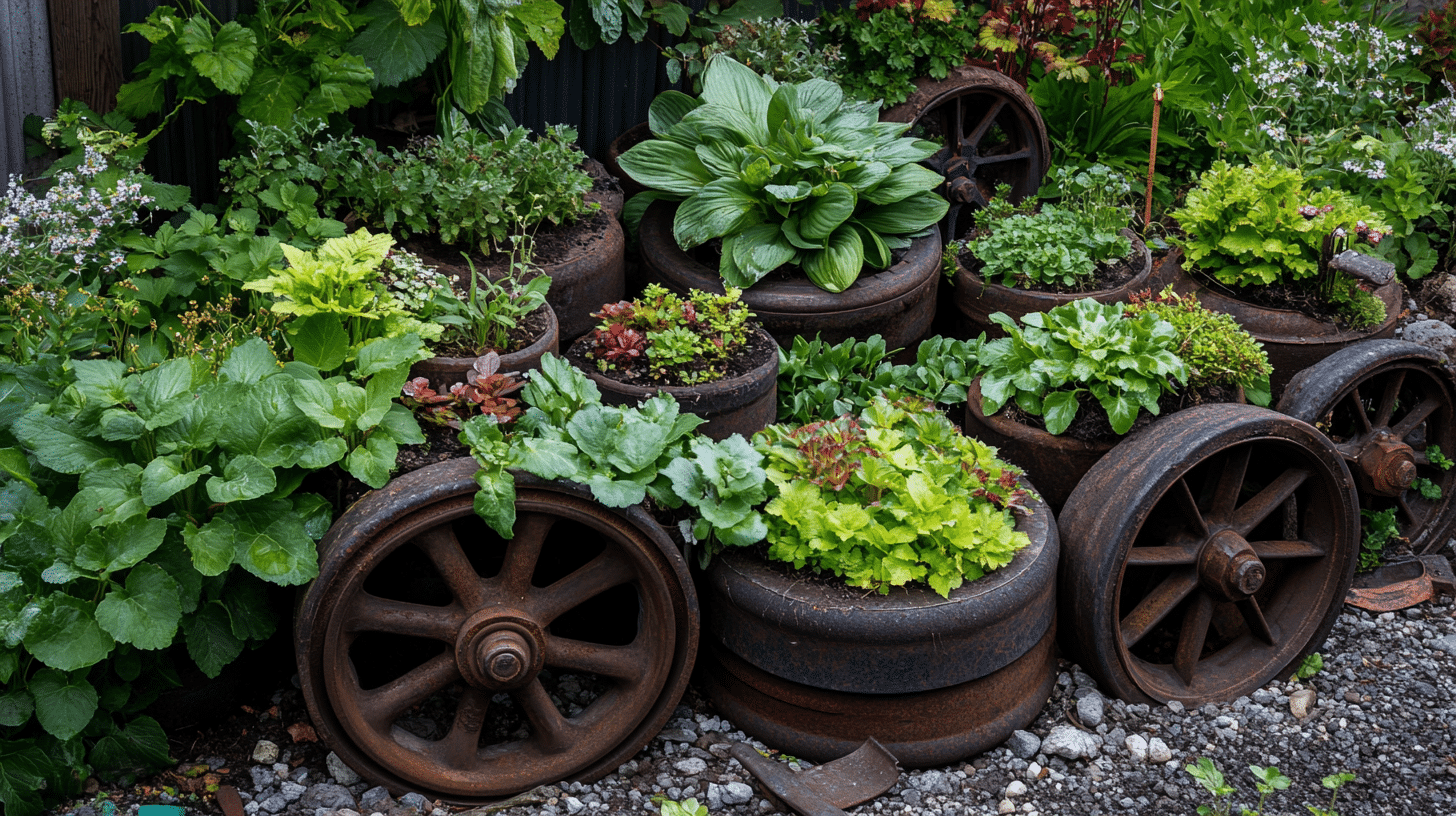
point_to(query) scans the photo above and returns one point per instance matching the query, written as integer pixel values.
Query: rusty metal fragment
(229, 801)
(826, 789)
(1401, 586)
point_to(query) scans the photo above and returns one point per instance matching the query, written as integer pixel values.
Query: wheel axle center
(1387, 463)
(499, 650)
(1229, 567)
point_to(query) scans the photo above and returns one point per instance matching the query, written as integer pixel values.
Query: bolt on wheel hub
(1229, 567)
(499, 651)
(1387, 463)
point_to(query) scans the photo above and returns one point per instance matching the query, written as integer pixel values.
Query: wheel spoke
(522, 553)
(1254, 617)
(549, 730)
(461, 747)
(597, 576)
(1157, 604)
(1023, 153)
(443, 549)
(1230, 482)
(1360, 410)
(974, 137)
(1387, 400)
(1191, 638)
(1282, 550)
(1170, 555)
(383, 705)
(618, 662)
(1412, 420)
(1409, 512)
(1183, 495)
(370, 613)
(1268, 500)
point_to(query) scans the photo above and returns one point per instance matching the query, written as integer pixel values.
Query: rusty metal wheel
(436, 656)
(990, 132)
(1207, 554)
(1384, 403)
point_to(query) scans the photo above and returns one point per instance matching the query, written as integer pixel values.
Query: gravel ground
(1381, 709)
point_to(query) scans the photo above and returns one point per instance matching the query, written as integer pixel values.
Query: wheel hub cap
(499, 650)
(1387, 463)
(1229, 567)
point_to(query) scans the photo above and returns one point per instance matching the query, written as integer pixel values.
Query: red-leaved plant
(1018, 33)
(484, 392)
(833, 449)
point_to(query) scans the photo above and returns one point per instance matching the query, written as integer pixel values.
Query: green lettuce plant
(785, 174)
(1258, 224)
(1053, 246)
(895, 495)
(818, 380)
(143, 515)
(1046, 364)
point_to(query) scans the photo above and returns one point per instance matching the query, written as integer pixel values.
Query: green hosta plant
(893, 496)
(149, 511)
(1125, 363)
(785, 174)
(1257, 224)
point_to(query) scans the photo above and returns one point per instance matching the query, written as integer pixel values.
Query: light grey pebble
(573, 804)
(1176, 707)
(1137, 747)
(690, 766)
(1016, 788)
(1023, 744)
(1158, 751)
(291, 791)
(1090, 709)
(737, 793)
(263, 778)
(375, 799)
(1301, 702)
(265, 752)
(1070, 742)
(415, 800)
(327, 795)
(676, 735)
(274, 803)
(341, 773)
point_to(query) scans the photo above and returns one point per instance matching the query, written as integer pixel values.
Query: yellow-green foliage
(1215, 348)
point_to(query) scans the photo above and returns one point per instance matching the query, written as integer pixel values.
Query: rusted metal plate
(922, 730)
(1401, 586)
(228, 801)
(824, 789)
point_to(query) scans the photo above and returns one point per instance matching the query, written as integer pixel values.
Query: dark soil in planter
(1293, 296)
(527, 331)
(441, 444)
(554, 244)
(755, 353)
(1092, 425)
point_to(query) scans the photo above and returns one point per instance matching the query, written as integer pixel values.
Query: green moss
(1216, 349)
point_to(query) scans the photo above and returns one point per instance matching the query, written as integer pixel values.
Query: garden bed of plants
(202, 401)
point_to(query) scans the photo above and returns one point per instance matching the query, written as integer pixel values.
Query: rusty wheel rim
(990, 133)
(1207, 554)
(391, 648)
(1226, 581)
(1382, 424)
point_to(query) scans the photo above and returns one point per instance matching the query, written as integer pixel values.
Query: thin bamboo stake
(1153, 154)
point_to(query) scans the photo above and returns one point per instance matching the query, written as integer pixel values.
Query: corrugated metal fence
(600, 92)
(25, 75)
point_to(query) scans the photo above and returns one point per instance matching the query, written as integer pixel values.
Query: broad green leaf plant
(1048, 362)
(146, 509)
(785, 174)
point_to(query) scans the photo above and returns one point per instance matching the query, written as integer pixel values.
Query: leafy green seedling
(1267, 780)
(1211, 778)
(1308, 667)
(687, 807)
(1333, 783)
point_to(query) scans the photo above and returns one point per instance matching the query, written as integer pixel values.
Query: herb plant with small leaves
(674, 340)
